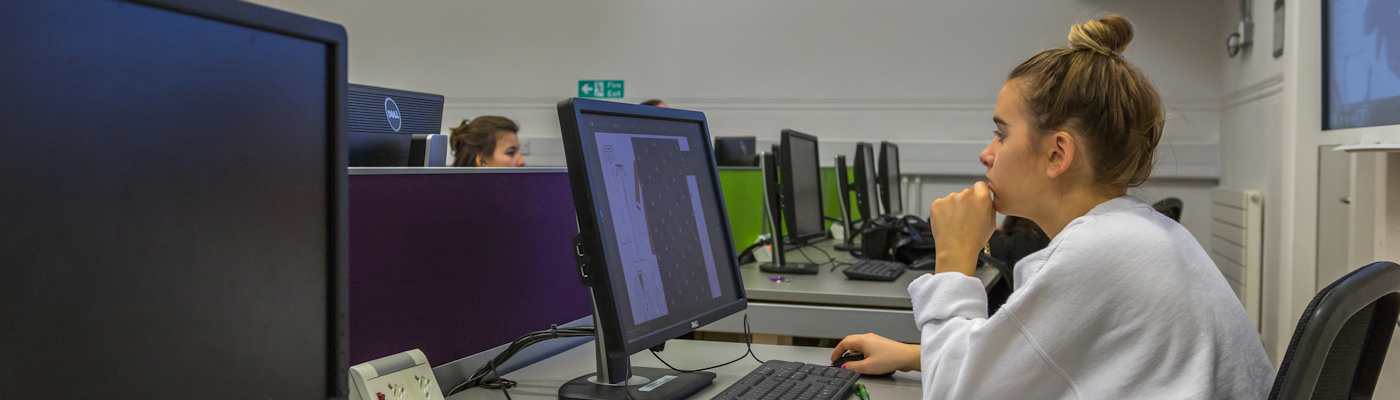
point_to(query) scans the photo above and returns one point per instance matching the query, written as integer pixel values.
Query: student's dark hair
(478, 137)
(652, 102)
(1090, 90)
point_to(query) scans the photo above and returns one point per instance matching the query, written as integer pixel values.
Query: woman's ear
(476, 159)
(1062, 151)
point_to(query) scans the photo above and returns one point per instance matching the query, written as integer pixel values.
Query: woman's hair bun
(1108, 35)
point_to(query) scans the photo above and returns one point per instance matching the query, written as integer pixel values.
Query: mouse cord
(829, 258)
(748, 340)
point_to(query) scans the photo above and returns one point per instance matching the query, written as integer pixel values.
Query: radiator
(1236, 244)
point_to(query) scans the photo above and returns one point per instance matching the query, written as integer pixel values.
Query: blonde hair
(1089, 89)
(478, 137)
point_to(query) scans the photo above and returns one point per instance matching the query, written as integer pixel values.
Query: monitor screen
(889, 179)
(867, 193)
(802, 190)
(174, 221)
(649, 207)
(1361, 63)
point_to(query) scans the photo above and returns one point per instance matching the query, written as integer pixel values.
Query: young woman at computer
(1123, 303)
(487, 141)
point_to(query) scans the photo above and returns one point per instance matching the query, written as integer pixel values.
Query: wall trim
(869, 104)
(1174, 160)
(1264, 89)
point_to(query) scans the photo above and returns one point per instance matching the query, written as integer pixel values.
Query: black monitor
(889, 179)
(654, 245)
(737, 151)
(174, 204)
(867, 193)
(803, 211)
(395, 128)
(843, 199)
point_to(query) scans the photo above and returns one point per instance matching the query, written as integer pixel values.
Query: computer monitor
(737, 151)
(174, 204)
(843, 199)
(803, 211)
(773, 209)
(395, 128)
(654, 245)
(889, 179)
(1360, 66)
(867, 193)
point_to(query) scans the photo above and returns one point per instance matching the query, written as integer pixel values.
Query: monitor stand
(617, 379)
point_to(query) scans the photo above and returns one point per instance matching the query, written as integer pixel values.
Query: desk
(827, 305)
(541, 380)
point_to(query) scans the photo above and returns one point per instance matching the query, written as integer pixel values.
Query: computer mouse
(922, 263)
(856, 356)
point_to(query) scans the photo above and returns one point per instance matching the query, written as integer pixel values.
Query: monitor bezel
(333, 36)
(786, 170)
(594, 271)
(892, 206)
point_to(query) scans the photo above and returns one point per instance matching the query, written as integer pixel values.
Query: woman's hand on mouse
(962, 223)
(881, 355)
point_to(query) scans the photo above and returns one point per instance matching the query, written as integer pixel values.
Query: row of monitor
(654, 244)
(802, 208)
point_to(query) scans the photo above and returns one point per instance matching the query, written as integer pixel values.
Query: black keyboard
(791, 380)
(875, 270)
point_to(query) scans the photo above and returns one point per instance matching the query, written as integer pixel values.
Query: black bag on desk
(902, 239)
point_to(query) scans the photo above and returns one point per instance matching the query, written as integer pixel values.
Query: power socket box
(403, 376)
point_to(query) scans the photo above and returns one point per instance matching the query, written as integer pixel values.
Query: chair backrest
(1340, 342)
(1170, 206)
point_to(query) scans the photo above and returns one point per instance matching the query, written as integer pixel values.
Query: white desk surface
(541, 380)
(832, 287)
(828, 305)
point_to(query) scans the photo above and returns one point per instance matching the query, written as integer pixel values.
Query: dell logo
(391, 109)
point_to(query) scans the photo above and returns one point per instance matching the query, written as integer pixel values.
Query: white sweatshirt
(1123, 304)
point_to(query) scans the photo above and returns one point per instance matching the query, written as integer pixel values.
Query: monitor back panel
(382, 122)
(457, 263)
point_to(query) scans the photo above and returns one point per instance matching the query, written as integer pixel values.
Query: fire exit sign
(600, 89)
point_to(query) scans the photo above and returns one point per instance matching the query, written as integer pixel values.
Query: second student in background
(487, 141)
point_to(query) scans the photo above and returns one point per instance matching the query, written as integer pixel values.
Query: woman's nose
(986, 157)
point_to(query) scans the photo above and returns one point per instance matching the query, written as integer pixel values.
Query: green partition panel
(743, 201)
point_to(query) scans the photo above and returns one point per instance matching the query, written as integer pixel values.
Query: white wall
(923, 74)
(1262, 149)
(913, 70)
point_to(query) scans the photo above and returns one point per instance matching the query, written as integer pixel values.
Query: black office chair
(1341, 340)
(1170, 206)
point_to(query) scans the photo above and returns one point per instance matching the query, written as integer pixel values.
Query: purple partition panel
(457, 263)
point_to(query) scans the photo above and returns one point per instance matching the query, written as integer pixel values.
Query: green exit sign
(600, 89)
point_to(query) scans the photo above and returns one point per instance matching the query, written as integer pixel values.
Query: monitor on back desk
(889, 179)
(867, 192)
